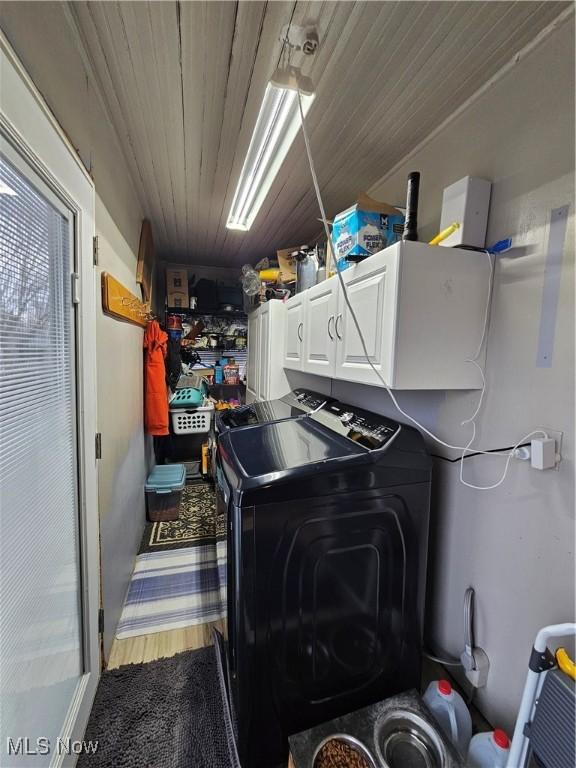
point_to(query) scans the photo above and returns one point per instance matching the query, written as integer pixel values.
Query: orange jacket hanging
(155, 389)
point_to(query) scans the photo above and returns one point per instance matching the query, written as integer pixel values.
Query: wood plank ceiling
(183, 82)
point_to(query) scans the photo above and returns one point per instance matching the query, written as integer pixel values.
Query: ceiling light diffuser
(276, 128)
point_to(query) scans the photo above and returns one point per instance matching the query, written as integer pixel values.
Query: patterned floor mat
(176, 589)
(198, 523)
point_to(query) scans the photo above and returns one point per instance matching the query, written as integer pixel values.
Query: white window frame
(27, 125)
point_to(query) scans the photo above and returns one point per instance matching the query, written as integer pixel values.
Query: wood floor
(160, 645)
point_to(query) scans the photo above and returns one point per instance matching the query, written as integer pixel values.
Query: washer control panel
(306, 399)
(367, 429)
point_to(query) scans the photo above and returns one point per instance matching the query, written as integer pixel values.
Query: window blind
(40, 608)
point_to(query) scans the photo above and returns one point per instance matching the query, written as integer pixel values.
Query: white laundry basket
(192, 421)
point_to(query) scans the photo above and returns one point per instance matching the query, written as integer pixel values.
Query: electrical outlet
(557, 435)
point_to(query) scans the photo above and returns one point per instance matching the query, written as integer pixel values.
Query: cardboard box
(177, 280)
(178, 299)
(365, 228)
(287, 265)
(177, 288)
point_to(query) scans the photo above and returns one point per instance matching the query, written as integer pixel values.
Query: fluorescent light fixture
(276, 128)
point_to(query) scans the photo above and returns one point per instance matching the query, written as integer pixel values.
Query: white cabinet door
(253, 362)
(294, 332)
(276, 381)
(263, 372)
(372, 288)
(319, 347)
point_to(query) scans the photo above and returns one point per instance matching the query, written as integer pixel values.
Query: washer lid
(287, 445)
(259, 413)
(292, 405)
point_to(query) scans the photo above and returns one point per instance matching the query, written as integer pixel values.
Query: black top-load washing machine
(327, 545)
(292, 405)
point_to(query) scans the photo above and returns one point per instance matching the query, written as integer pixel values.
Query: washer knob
(346, 417)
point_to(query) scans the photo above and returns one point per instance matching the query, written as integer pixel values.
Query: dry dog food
(337, 753)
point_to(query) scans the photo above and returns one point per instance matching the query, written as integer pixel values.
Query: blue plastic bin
(164, 488)
(187, 398)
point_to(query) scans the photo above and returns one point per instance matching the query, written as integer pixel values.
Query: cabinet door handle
(338, 320)
(300, 326)
(330, 320)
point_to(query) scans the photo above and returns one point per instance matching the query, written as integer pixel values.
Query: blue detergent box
(363, 229)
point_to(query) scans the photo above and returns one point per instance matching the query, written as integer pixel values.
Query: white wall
(122, 469)
(42, 37)
(515, 545)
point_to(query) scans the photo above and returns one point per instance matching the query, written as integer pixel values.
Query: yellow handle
(565, 663)
(444, 234)
(269, 275)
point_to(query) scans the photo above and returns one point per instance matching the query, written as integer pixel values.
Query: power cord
(379, 376)
(493, 451)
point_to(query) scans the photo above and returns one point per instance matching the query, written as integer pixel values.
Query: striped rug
(175, 589)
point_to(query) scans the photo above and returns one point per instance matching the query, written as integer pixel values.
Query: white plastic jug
(489, 750)
(451, 712)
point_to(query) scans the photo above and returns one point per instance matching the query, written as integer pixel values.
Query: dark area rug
(197, 524)
(164, 714)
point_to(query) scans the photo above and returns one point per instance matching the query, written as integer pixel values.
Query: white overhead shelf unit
(265, 375)
(421, 312)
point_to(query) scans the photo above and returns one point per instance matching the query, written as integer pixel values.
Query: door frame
(27, 125)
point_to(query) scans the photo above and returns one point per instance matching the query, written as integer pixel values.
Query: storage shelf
(240, 384)
(203, 313)
(214, 349)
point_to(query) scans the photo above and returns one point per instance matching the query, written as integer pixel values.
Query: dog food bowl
(404, 739)
(340, 750)
(398, 732)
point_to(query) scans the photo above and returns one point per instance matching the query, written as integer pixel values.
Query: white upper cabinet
(265, 376)
(264, 367)
(273, 381)
(294, 332)
(371, 287)
(253, 362)
(421, 312)
(441, 299)
(319, 344)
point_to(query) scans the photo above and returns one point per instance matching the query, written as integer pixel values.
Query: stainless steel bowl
(354, 743)
(404, 739)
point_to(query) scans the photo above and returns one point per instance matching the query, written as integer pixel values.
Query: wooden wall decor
(119, 302)
(146, 259)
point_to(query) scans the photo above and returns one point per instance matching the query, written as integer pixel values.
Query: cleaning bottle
(451, 712)
(489, 750)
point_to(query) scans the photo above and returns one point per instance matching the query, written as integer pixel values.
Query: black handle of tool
(411, 221)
